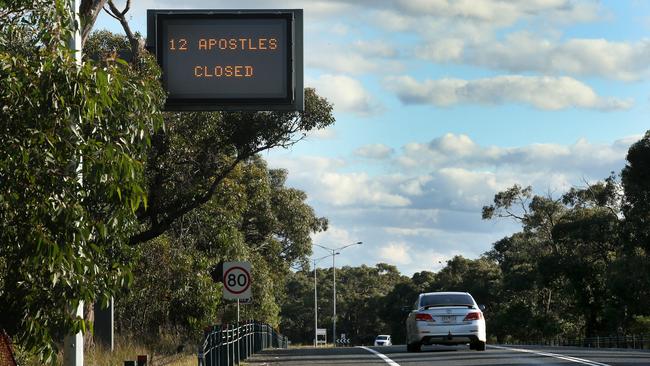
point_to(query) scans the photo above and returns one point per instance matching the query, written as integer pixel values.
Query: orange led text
(220, 71)
(249, 44)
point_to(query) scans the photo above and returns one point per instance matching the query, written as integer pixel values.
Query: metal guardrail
(641, 341)
(229, 344)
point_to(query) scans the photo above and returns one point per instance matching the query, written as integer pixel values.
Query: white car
(383, 340)
(448, 318)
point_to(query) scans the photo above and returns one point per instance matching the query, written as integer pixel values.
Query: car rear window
(446, 300)
(382, 338)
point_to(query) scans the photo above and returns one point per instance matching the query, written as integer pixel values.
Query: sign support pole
(237, 311)
(73, 344)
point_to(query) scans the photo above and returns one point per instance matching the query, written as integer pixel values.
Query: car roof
(383, 335)
(445, 293)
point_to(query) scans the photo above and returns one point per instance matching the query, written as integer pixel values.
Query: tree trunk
(89, 316)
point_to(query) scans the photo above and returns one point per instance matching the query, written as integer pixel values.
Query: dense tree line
(253, 217)
(102, 191)
(579, 267)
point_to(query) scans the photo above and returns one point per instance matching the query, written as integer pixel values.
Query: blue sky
(440, 104)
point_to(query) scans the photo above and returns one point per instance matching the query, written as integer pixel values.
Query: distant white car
(447, 318)
(383, 340)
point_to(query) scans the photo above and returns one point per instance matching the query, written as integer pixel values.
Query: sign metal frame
(293, 100)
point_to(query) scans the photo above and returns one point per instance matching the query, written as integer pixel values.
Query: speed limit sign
(236, 280)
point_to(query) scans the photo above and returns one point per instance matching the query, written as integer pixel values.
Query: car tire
(414, 347)
(480, 346)
(472, 346)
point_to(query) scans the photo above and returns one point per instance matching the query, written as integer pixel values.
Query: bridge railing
(641, 341)
(229, 344)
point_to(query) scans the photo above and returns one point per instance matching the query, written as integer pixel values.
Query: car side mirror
(482, 307)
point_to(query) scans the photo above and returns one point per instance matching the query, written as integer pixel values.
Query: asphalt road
(451, 356)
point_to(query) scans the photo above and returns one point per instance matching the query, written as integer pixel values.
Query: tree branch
(163, 225)
(88, 12)
(121, 17)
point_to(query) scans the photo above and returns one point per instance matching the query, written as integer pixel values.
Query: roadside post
(237, 282)
(73, 344)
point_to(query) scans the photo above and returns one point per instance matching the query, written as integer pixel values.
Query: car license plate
(448, 318)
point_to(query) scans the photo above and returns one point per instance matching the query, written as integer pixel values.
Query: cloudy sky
(441, 103)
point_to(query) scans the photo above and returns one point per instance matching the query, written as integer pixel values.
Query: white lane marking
(381, 355)
(555, 355)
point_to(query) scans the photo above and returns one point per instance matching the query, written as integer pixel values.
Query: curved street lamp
(316, 301)
(334, 252)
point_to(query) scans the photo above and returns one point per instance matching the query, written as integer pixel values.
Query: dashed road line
(554, 355)
(381, 355)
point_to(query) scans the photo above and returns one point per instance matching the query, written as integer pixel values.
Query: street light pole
(316, 302)
(334, 253)
(334, 282)
(315, 309)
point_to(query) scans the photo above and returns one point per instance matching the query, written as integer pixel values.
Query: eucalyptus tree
(634, 266)
(253, 216)
(64, 228)
(69, 234)
(558, 271)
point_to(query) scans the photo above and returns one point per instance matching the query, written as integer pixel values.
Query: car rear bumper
(451, 334)
(450, 339)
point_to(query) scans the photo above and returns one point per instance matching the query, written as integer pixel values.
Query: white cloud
(542, 92)
(374, 151)
(393, 21)
(451, 172)
(312, 9)
(341, 61)
(418, 217)
(376, 48)
(339, 29)
(304, 168)
(415, 186)
(361, 57)
(496, 13)
(454, 151)
(593, 57)
(437, 261)
(442, 50)
(322, 134)
(489, 11)
(334, 236)
(395, 253)
(459, 145)
(320, 175)
(359, 189)
(346, 94)
(431, 260)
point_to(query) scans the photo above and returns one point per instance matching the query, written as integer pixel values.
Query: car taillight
(474, 316)
(424, 317)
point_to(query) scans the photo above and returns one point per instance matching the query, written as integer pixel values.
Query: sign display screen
(229, 60)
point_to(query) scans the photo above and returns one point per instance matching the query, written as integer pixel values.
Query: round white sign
(236, 280)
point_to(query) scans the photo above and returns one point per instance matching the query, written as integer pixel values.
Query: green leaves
(569, 270)
(72, 144)
(636, 183)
